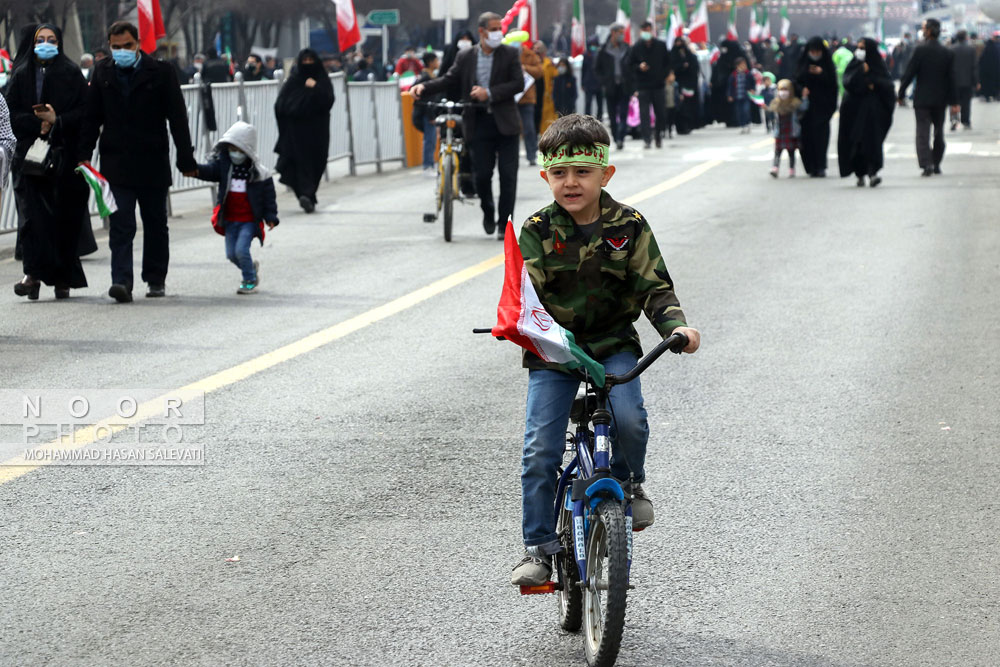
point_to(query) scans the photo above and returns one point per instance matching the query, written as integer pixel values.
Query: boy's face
(742, 67)
(576, 188)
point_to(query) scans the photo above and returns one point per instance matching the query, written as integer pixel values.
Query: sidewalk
(194, 207)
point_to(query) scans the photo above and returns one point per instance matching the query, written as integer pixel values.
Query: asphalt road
(824, 470)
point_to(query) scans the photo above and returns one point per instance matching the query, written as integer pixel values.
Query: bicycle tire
(448, 194)
(604, 598)
(570, 596)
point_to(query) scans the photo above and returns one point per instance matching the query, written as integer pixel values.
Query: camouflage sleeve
(651, 285)
(533, 254)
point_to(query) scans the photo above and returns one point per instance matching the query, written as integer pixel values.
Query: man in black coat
(616, 79)
(932, 66)
(490, 75)
(651, 65)
(133, 97)
(966, 73)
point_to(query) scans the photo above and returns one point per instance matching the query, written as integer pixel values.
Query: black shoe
(500, 234)
(489, 222)
(873, 181)
(647, 146)
(154, 291)
(307, 204)
(120, 293)
(861, 181)
(659, 142)
(28, 287)
(937, 169)
(927, 172)
(62, 292)
(954, 125)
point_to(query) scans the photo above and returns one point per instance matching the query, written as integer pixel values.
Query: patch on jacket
(619, 243)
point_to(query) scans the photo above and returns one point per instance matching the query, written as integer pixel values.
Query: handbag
(38, 159)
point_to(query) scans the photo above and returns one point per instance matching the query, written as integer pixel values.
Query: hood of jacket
(244, 137)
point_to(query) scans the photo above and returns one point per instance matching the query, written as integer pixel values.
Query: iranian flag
(756, 99)
(651, 14)
(522, 319)
(624, 17)
(348, 33)
(151, 26)
(578, 32)
(786, 23)
(765, 29)
(698, 32)
(106, 204)
(675, 23)
(755, 23)
(731, 23)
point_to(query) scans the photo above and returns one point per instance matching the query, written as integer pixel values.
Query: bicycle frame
(588, 480)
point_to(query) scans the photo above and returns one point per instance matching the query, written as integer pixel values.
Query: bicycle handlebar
(675, 342)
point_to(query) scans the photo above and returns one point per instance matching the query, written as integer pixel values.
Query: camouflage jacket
(596, 285)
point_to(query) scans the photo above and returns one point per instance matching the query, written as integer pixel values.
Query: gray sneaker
(642, 508)
(532, 571)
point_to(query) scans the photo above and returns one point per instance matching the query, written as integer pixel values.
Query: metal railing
(366, 127)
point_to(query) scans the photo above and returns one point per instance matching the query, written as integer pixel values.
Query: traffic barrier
(368, 111)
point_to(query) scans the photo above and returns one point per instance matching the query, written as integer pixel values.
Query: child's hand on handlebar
(694, 339)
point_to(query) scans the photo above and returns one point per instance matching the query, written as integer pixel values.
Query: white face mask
(783, 94)
(464, 44)
(814, 58)
(494, 38)
(859, 54)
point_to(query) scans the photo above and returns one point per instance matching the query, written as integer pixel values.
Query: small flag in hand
(522, 319)
(106, 204)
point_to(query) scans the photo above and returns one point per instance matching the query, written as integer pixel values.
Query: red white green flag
(522, 319)
(756, 22)
(786, 23)
(699, 23)
(624, 16)
(106, 204)
(731, 23)
(578, 32)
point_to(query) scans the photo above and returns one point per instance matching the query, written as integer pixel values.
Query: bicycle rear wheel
(604, 597)
(448, 193)
(570, 597)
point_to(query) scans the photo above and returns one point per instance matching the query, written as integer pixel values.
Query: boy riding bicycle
(595, 266)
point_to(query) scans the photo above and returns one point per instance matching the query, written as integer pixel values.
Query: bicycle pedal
(548, 587)
(430, 217)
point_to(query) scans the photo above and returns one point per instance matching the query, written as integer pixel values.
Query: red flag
(348, 32)
(151, 26)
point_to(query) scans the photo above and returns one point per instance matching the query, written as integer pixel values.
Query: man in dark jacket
(489, 75)
(966, 73)
(133, 96)
(932, 66)
(616, 79)
(651, 65)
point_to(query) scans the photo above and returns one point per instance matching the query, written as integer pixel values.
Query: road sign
(383, 17)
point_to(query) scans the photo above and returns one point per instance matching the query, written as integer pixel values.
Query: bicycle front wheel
(607, 584)
(448, 193)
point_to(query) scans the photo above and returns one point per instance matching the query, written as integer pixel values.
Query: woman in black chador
(685, 66)
(303, 113)
(865, 114)
(818, 74)
(47, 98)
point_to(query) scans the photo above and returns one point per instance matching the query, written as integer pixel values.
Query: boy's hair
(736, 63)
(646, 24)
(429, 57)
(576, 130)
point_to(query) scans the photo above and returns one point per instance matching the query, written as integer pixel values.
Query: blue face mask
(46, 51)
(124, 57)
(237, 157)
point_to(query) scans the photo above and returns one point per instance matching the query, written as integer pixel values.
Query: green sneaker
(247, 288)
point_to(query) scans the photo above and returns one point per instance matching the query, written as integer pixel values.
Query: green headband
(595, 155)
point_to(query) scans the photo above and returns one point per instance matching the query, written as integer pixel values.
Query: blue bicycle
(594, 521)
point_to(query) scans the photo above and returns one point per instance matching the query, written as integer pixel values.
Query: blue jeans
(239, 236)
(529, 131)
(550, 397)
(742, 112)
(430, 141)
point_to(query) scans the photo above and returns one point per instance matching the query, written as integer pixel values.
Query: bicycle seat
(444, 119)
(583, 405)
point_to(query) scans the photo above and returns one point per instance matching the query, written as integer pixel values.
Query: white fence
(366, 127)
